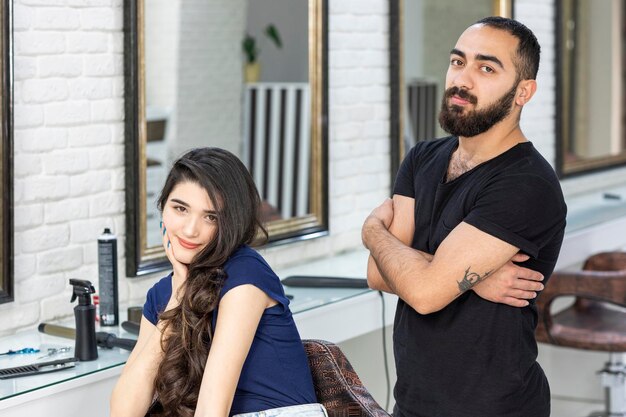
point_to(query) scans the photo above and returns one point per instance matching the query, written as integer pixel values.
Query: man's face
(481, 68)
(458, 121)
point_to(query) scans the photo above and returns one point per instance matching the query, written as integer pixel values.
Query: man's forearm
(395, 261)
(374, 278)
(428, 283)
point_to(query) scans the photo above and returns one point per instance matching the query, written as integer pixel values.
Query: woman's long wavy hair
(187, 328)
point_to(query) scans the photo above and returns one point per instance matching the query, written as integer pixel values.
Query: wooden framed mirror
(421, 35)
(6, 170)
(249, 76)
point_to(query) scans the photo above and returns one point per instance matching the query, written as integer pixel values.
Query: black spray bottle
(86, 347)
(107, 278)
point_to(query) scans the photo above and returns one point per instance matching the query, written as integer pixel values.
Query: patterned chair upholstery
(337, 386)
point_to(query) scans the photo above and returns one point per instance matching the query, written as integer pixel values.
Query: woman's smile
(188, 245)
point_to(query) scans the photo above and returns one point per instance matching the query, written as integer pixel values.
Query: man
(464, 207)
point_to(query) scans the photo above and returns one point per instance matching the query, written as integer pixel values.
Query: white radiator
(277, 144)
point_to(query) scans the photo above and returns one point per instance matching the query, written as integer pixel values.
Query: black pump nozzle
(86, 348)
(83, 290)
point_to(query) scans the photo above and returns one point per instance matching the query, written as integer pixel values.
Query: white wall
(538, 115)
(194, 72)
(209, 105)
(161, 40)
(291, 62)
(69, 151)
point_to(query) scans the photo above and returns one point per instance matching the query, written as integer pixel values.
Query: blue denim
(304, 410)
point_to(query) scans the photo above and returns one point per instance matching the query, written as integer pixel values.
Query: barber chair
(336, 384)
(596, 321)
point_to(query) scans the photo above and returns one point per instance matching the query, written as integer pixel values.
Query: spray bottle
(107, 279)
(86, 347)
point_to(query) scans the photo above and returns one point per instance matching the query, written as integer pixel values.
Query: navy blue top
(276, 372)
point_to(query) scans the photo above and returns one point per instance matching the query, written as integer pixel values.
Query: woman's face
(190, 220)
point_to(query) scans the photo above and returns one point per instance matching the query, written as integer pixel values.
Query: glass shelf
(592, 209)
(107, 358)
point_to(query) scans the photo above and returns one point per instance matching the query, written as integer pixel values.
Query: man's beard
(473, 122)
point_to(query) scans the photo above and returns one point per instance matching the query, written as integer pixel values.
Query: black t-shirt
(475, 358)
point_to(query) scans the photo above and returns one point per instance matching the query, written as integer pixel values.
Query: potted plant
(252, 68)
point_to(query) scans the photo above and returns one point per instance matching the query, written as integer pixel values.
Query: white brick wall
(69, 141)
(538, 116)
(68, 108)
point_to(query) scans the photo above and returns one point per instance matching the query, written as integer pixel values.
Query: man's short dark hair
(528, 49)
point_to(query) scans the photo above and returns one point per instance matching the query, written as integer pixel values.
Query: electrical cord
(382, 299)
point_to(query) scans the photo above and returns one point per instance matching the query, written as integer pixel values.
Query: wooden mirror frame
(140, 259)
(396, 78)
(6, 124)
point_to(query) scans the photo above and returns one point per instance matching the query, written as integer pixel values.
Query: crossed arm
(463, 261)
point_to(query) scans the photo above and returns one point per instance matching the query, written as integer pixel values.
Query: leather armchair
(337, 386)
(596, 321)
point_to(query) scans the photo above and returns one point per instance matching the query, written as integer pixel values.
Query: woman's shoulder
(162, 285)
(247, 266)
(157, 298)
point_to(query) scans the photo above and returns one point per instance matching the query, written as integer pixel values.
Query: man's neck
(499, 139)
(475, 150)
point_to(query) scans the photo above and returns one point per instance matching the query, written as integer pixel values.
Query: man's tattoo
(470, 279)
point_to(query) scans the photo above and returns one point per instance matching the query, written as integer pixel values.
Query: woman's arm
(240, 311)
(134, 390)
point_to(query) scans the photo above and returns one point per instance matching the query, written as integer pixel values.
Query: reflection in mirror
(591, 81)
(6, 171)
(421, 44)
(243, 75)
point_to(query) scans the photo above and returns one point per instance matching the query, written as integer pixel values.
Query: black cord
(382, 299)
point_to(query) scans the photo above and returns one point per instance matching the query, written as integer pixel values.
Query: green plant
(250, 47)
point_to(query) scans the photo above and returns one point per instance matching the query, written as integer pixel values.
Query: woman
(217, 337)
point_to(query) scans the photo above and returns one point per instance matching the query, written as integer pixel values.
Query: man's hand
(381, 215)
(511, 284)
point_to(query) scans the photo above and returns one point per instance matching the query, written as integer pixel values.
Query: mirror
(590, 77)
(6, 170)
(422, 33)
(249, 76)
